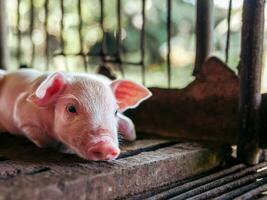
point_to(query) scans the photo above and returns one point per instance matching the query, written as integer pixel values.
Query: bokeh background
(182, 36)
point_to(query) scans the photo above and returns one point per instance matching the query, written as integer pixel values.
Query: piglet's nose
(104, 151)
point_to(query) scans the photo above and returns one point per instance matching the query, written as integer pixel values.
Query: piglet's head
(84, 111)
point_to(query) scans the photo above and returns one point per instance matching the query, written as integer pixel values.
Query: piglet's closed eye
(129, 94)
(49, 90)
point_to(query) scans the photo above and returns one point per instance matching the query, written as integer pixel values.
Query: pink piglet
(82, 111)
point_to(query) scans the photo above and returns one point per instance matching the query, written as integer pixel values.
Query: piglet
(82, 111)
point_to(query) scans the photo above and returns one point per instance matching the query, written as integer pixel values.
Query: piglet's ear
(129, 94)
(49, 90)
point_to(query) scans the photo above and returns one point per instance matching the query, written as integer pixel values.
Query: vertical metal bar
(31, 32)
(228, 32)
(142, 41)
(80, 35)
(169, 14)
(46, 35)
(62, 26)
(19, 34)
(62, 41)
(118, 37)
(250, 75)
(204, 26)
(103, 43)
(3, 38)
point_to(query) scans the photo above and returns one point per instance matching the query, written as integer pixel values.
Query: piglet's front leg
(38, 137)
(126, 128)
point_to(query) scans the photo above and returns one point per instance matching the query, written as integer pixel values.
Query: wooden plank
(46, 174)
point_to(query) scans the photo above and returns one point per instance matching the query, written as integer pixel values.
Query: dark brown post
(3, 38)
(250, 75)
(204, 26)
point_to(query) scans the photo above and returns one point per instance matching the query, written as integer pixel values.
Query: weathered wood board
(27, 172)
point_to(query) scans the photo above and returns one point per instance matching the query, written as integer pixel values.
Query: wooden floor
(27, 172)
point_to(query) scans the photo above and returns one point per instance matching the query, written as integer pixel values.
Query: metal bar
(250, 78)
(18, 33)
(179, 189)
(62, 41)
(46, 35)
(103, 49)
(32, 13)
(204, 25)
(3, 36)
(252, 194)
(248, 172)
(80, 35)
(169, 14)
(242, 190)
(118, 38)
(142, 41)
(228, 32)
(229, 186)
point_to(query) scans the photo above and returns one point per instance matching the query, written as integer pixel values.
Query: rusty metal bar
(169, 15)
(229, 186)
(250, 77)
(46, 35)
(228, 37)
(180, 188)
(241, 192)
(118, 37)
(142, 41)
(252, 194)
(80, 35)
(222, 184)
(62, 41)
(18, 33)
(32, 16)
(3, 36)
(103, 49)
(204, 26)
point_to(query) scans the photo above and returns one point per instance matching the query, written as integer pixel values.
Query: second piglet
(81, 111)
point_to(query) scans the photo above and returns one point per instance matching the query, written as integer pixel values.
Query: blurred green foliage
(182, 42)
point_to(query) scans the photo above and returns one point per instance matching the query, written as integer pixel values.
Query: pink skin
(78, 110)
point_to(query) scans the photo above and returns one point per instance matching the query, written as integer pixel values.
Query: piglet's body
(82, 111)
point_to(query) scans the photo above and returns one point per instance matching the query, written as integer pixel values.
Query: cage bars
(19, 34)
(32, 16)
(80, 35)
(142, 45)
(228, 36)
(204, 26)
(169, 14)
(118, 37)
(3, 38)
(46, 35)
(104, 55)
(250, 76)
(103, 50)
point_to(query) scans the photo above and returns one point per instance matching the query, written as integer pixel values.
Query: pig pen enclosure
(200, 142)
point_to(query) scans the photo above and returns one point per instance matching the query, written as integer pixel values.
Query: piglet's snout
(104, 148)
(104, 151)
